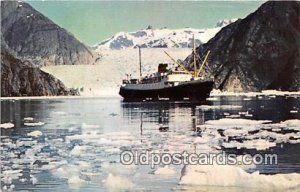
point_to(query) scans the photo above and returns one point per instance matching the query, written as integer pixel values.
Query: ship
(167, 84)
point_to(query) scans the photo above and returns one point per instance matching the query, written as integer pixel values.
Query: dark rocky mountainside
(34, 37)
(259, 52)
(18, 78)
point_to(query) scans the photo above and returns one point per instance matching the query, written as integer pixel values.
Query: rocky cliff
(19, 78)
(259, 52)
(34, 37)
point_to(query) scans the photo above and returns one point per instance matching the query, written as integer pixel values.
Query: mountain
(18, 78)
(34, 37)
(259, 52)
(225, 22)
(158, 38)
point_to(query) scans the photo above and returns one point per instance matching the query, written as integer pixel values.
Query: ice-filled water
(75, 144)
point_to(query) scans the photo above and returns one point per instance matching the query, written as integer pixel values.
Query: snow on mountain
(225, 22)
(159, 38)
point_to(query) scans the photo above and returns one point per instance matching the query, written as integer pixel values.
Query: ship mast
(195, 62)
(140, 59)
(180, 65)
(203, 63)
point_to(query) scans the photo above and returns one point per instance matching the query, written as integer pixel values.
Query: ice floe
(78, 150)
(166, 171)
(35, 134)
(291, 124)
(75, 181)
(211, 107)
(59, 113)
(231, 132)
(28, 119)
(213, 175)
(251, 134)
(236, 122)
(7, 125)
(258, 144)
(217, 92)
(118, 183)
(33, 179)
(118, 168)
(87, 126)
(33, 124)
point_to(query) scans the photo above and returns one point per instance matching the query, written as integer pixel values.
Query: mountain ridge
(35, 37)
(160, 38)
(258, 52)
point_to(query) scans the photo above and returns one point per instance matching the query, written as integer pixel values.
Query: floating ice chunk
(113, 150)
(59, 113)
(231, 132)
(213, 99)
(75, 181)
(28, 118)
(242, 165)
(33, 179)
(118, 183)
(292, 124)
(35, 134)
(66, 171)
(118, 133)
(8, 188)
(236, 122)
(89, 174)
(34, 124)
(165, 171)
(233, 116)
(23, 180)
(258, 144)
(83, 164)
(78, 150)
(213, 175)
(7, 125)
(201, 140)
(85, 136)
(117, 168)
(210, 107)
(12, 174)
(87, 126)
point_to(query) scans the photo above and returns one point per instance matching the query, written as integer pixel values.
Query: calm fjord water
(105, 125)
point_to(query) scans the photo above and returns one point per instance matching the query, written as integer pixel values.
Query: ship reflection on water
(163, 114)
(91, 132)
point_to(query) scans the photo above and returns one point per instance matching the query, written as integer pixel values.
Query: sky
(94, 21)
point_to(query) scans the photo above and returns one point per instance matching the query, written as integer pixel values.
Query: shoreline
(60, 97)
(214, 93)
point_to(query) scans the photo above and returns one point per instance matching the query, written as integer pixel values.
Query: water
(104, 127)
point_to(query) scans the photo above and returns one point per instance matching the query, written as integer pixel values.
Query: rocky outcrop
(34, 37)
(259, 52)
(18, 78)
